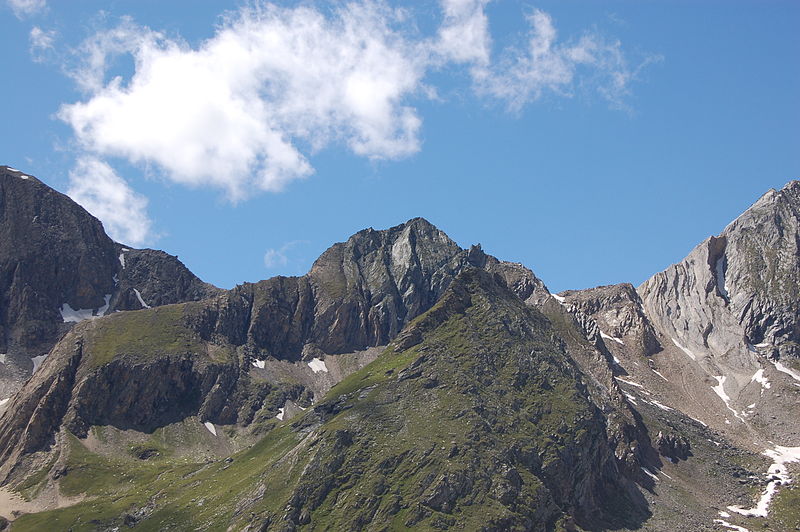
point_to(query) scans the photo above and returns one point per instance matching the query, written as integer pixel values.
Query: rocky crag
(57, 267)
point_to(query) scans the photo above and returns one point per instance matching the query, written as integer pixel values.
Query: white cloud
(276, 258)
(23, 8)
(232, 112)
(464, 33)
(96, 187)
(243, 110)
(41, 42)
(524, 76)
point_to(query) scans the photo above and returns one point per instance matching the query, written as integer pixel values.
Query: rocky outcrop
(738, 291)
(617, 311)
(57, 266)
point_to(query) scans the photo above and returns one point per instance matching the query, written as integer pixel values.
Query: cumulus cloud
(244, 110)
(464, 33)
(41, 42)
(546, 65)
(98, 188)
(232, 112)
(24, 8)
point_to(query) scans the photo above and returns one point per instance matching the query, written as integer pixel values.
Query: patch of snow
(778, 474)
(210, 426)
(722, 284)
(115, 279)
(559, 298)
(37, 361)
(122, 259)
(630, 397)
(660, 375)
(23, 176)
(724, 514)
(793, 374)
(2, 358)
(4, 401)
(695, 419)
(139, 297)
(715, 442)
(614, 338)
(761, 379)
(13, 170)
(762, 345)
(659, 405)
(669, 477)
(732, 527)
(750, 407)
(616, 360)
(719, 389)
(620, 379)
(684, 349)
(281, 412)
(318, 365)
(68, 314)
(649, 474)
(260, 363)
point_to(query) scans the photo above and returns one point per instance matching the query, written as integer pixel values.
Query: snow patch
(759, 377)
(4, 401)
(13, 170)
(684, 349)
(260, 363)
(719, 389)
(614, 338)
(281, 412)
(37, 361)
(559, 298)
(630, 397)
(69, 314)
(728, 525)
(210, 427)
(649, 474)
(695, 419)
(778, 474)
(659, 405)
(318, 365)
(2, 358)
(724, 514)
(122, 259)
(793, 374)
(620, 379)
(139, 297)
(750, 407)
(660, 375)
(23, 176)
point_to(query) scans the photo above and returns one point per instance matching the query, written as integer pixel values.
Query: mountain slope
(474, 418)
(57, 267)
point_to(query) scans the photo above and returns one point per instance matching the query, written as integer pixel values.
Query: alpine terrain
(402, 383)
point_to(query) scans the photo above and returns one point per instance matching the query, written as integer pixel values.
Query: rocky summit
(402, 383)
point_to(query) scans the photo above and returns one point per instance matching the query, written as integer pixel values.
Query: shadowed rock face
(740, 289)
(55, 256)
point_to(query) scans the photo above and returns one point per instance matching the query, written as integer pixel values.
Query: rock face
(739, 290)
(58, 266)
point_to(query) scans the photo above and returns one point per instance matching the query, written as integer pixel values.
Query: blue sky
(595, 142)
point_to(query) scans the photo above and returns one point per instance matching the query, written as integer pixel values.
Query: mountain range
(402, 383)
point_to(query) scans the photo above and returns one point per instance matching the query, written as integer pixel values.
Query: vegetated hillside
(475, 417)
